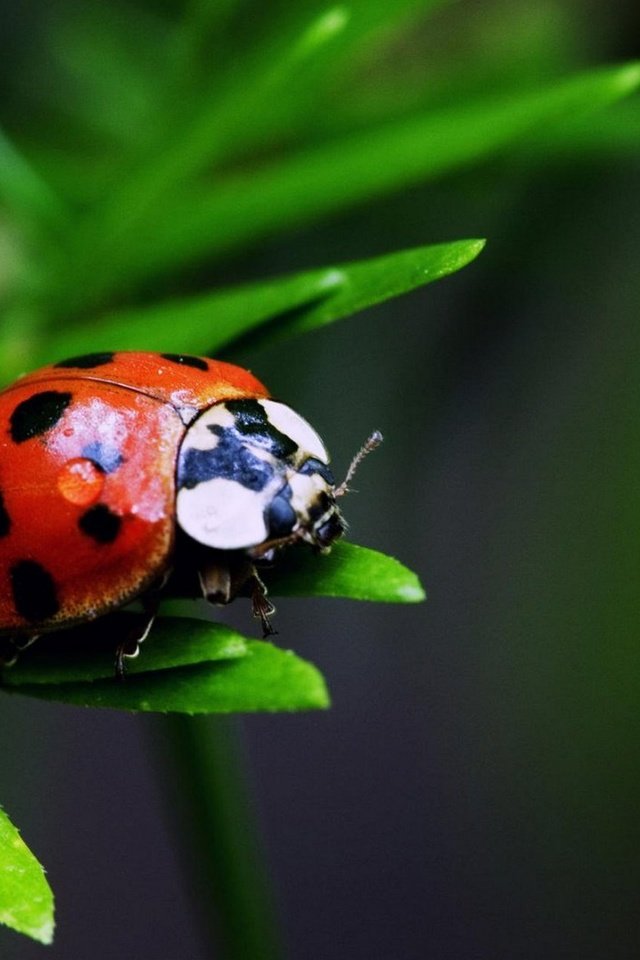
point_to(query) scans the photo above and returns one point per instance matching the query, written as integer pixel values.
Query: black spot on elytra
(106, 457)
(38, 414)
(5, 519)
(185, 360)
(87, 361)
(34, 591)
(100, 523)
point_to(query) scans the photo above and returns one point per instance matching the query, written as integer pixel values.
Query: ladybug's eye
(281, 516)
(332, 528)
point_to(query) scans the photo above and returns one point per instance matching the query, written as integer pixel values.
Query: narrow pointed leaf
(348, 571)
(285, 306)
(26, 900)
(266, 679)
(200, 324)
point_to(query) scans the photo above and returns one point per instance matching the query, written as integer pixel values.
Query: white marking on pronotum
(295, 427)
(224, 514)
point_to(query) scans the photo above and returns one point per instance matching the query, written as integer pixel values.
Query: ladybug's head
(253, 475)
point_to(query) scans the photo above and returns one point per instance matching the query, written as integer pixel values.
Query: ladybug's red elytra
(106, 460)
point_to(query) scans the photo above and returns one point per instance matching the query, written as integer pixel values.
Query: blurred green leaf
(359, 168)
(265, 679)
(108, 58)
(284, 64)
(617, 134)
(348, 571)
(287, 306)
(246, 206)
(272, 81)
(301, 53)
(503, 46)
(88, 652)
(26, 900)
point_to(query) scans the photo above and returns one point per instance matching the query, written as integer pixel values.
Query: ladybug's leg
(11, 647)
(224, 576)
(8, 652)
(130, 646)
(262, 607)
(215, 581)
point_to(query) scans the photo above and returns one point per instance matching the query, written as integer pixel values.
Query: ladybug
(116, 466)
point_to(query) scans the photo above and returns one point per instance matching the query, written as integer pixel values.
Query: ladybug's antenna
(374, 441)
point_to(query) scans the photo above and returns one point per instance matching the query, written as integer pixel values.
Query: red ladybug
(107, 460)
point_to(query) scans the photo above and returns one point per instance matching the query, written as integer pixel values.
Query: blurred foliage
(144, 141)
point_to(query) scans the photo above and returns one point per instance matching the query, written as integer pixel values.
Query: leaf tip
(469, 249)
(412, 592)
(44, 933)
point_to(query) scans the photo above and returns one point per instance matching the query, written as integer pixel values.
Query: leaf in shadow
(265, 679)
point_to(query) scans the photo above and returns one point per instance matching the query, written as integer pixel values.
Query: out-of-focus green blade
(315, 183)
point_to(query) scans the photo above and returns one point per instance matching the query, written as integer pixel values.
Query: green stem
(208, 790)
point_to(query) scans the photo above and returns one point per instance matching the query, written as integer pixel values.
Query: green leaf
(26, 900)
(248, 206)
(88, 653)
(348, 571)
(265, 679)
(288, 305)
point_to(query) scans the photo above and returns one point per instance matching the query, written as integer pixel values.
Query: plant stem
(209, 792)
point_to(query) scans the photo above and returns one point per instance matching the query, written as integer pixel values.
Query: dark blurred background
(473, 792)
